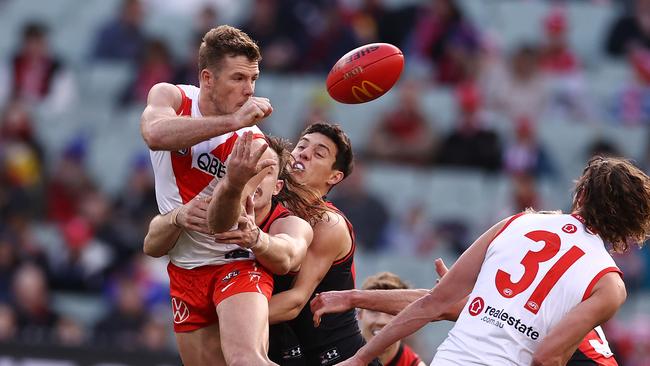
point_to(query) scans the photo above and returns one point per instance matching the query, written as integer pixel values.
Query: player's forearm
(177, 133)
(386, 301)
(277, 253)
(162, 235)
(453, 312)
(284, 306)
(412, 318)
(225, 207)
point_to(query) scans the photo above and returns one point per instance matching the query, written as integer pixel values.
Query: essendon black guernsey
(277, 212)
(333, 327)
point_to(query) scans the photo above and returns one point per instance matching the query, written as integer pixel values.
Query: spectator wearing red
(556, 56)
(403, 136)
(155, 67)
(34, 67)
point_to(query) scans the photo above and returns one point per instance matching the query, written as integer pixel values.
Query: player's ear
(335, 177)
(206, 77)
(279, 184)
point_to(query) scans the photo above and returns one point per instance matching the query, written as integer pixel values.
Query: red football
(365, 73)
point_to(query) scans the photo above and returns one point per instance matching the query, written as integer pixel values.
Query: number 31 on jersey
(531, 261)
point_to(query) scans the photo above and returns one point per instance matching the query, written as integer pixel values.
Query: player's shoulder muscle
(164, 95)
(292, 225)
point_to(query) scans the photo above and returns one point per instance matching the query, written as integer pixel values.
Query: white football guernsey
(535, 271)
(190, 173)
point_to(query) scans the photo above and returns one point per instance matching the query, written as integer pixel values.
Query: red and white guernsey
(190, 173)
(536, 270)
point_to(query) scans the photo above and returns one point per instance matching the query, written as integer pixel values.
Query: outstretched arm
(453, 287)
(561, 342)
(385, 301)
(163, 129)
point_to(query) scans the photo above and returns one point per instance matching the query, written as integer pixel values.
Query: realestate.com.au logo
(499, 318)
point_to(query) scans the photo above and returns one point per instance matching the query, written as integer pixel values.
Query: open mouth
(298, 167)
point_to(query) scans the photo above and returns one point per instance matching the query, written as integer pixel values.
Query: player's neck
(206, 106)
(261, 214)
(322, 191)
(389, 353)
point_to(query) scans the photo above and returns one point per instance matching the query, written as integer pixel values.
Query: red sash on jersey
(192, 181)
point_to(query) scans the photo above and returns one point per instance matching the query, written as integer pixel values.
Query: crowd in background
(61, 233)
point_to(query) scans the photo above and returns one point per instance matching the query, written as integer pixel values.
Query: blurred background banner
(500, 105)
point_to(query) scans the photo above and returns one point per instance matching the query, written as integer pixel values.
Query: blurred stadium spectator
(122, 325)
(563, 70)
(155, 66)
(526, 155)
(630, 30)
(31, 297)
(374, 21)
(472, 144)
(631, 105)
(403, 135)
(122, 38)
(35, 74)
(8, 323)
(443, 36)
(275, 28)
(411, 233)
(521, 90)
(365, 211)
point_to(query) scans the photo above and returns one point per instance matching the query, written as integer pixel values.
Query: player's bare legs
(244, 326)
(201, 347)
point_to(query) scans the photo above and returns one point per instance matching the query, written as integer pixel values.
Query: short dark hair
(384, 281)
(34, 30)
(344, 156)
(613, 197)
(223, 41)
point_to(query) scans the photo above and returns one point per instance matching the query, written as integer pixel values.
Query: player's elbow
(280, 268)
(151, 250)
(152, 138)
(296, 308)
(431, 306)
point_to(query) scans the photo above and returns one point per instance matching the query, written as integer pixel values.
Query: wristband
(257, 239)
(174, 217)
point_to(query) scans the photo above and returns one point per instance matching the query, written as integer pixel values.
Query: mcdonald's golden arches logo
(363, 90)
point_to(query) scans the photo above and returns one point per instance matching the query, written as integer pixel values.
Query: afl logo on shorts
(181, 312)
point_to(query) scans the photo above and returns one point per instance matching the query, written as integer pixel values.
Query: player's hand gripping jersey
(190, 174)
(535, 271)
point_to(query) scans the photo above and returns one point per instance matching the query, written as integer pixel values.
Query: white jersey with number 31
(536, 269)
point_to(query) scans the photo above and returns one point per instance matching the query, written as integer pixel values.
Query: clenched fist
(252, 112)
